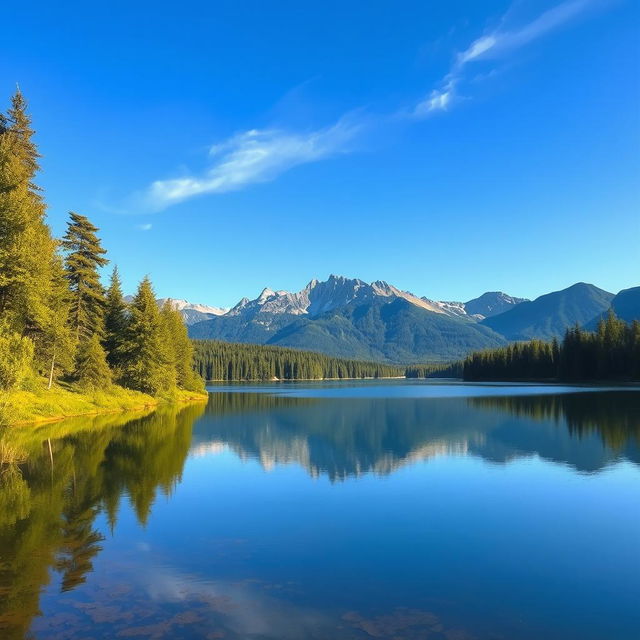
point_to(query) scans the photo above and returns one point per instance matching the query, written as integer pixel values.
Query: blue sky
(447, 146)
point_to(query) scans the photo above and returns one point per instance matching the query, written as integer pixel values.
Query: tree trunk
(50, 456)
(53, 364)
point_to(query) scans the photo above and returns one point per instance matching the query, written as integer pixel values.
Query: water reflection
(342, 438)
(56, 480)
(52, 489)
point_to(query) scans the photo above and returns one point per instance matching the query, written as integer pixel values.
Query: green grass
(65, 400)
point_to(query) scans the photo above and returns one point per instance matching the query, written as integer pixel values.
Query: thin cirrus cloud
(494, 44)
(255, 156)
(261, 155)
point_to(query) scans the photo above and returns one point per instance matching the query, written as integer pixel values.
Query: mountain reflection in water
(342, 438)
(56, 479)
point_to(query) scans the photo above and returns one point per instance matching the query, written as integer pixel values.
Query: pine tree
(145, 363)
(180, 349)
(26, 246)
(57, 344)
(115, 323)
(167, 345)
(92, 370)
(85, 256)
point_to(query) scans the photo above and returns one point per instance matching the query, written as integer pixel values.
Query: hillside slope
(549, 315)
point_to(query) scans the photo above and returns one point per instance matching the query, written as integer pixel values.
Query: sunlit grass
(63, 400)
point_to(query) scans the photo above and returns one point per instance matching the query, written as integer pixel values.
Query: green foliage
(92, 370)
(52, 310)
(227, 361)
(57, 343)
(16, 355)
(611, 353)
(26, 246)
(147, 366)
(179, 349)
(84, 257)
(115, 322)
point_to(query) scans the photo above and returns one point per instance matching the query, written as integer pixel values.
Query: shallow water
(353, 510)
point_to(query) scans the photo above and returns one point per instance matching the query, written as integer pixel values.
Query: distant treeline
(216, 360)
(612, 352)
(451, 370)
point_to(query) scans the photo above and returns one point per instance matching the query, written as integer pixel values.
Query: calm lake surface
(330, 511)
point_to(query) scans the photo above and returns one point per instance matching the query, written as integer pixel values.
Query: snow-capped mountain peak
(488, 304)
(336, 292)
(181, 305)
(192, 313)
(324, 296)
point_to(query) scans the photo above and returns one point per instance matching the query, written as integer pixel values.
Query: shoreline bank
(24, 408)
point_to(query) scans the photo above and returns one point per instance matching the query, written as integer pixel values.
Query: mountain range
(348, 317)
(351, 318)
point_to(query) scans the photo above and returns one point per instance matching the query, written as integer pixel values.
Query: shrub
(16, 355)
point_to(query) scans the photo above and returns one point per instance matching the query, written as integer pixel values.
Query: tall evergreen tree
(168, 342)
(92, 370)
(57, 344)
(115, 322)
(85, 256)
(180, 349)
(26, 246)
(145, 365)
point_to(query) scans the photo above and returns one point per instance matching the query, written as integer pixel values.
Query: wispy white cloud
(496, 43)
(144, 227)
(437, 100)
(254, 156)
(261, 155)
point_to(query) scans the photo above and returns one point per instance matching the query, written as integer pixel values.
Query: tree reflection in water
(52, 488)
(56, 479)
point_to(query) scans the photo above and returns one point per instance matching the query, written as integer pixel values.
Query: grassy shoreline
(41, 405)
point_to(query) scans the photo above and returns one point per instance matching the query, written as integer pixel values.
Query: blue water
(395, 510)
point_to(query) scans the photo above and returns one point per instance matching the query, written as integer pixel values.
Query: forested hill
(216, 360)
(550, 315)
(626, 306)
(612, 352)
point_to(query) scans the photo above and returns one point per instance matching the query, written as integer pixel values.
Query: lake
(329, 511)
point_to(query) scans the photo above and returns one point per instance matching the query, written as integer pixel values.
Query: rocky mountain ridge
(323, 296)
(349, 317)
